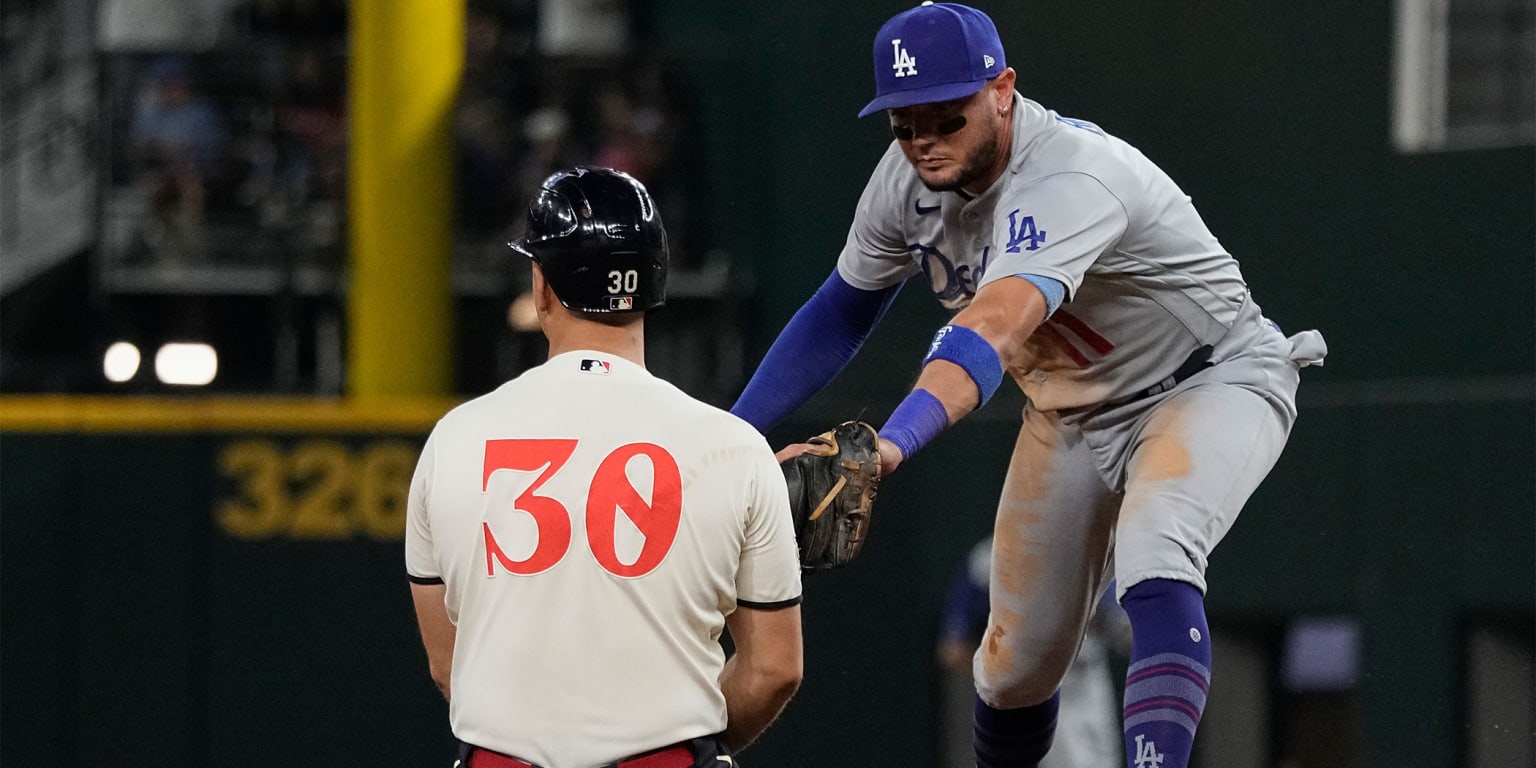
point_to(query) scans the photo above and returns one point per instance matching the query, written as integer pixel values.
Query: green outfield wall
(221, 583)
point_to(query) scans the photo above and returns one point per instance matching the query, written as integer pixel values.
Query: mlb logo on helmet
(932, 53)
(621, 303)
(600, 367)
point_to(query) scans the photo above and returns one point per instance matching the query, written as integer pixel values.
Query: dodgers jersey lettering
(1147, 282)
(595, 546)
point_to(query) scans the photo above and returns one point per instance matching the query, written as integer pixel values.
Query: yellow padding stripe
(72, 413)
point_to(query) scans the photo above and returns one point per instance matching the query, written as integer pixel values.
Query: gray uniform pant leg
(1150, 489)
(1051, 552)
(1193, 462)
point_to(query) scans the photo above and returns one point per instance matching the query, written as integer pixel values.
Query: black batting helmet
(597, 236)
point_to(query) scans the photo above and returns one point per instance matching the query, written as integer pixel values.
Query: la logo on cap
(959, 51)
(905, 64)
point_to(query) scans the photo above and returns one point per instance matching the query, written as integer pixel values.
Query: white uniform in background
(594, 525)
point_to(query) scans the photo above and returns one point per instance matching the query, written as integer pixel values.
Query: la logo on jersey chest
(905, 63)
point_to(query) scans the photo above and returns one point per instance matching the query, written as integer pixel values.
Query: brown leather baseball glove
(832, 492)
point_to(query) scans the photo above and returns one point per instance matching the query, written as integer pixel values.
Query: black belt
(1198, 360)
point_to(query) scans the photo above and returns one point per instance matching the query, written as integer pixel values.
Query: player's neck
(626, 341)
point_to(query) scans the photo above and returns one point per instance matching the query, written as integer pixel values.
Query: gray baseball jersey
(1147, 282)
(594, 525)
(1115, 471)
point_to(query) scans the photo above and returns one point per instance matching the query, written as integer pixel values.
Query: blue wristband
(975, 355)
(918, 419)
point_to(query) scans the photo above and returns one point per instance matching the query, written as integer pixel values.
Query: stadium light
(121, 362)
(186, 364)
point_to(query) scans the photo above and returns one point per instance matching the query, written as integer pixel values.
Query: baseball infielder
(579, 538)
(1159, 396)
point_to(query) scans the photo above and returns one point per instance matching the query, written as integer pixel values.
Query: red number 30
(609, 492)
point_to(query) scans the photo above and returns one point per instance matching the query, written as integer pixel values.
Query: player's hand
(790, 451)
(890, 456)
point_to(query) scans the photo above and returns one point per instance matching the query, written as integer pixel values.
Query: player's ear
(1002, 89)
(543, 296)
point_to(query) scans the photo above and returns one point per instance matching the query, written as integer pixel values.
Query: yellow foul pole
(407, 57)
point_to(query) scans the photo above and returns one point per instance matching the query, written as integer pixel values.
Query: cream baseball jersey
(1147, 282)
(593, 526)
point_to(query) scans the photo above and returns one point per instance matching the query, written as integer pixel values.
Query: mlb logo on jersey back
(621, 303)
(599, 367)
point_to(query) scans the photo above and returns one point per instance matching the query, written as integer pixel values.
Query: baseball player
(1159, 395)
(579, 538)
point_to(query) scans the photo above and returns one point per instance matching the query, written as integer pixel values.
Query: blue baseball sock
(1169, 675)
(1014, 738)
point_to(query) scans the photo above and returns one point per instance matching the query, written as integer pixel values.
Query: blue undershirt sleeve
(813, 348)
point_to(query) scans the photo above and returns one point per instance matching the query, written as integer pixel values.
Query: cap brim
(929, 95)
(520, 246)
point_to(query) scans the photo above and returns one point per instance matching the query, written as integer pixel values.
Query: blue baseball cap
(934, 52)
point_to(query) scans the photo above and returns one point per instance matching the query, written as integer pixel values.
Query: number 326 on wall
(315, 489)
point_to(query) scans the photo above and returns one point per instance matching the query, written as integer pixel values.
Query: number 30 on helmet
(598, 238)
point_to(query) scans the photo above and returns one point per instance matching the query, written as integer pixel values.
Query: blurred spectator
(551, 145)
(629, 134)
(495, 43)
(488, 141)
(311, 117)
(673, 176)
(486, 168)
(1088, 733)
(177, 141)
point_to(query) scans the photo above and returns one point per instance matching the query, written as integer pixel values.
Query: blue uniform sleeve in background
(965, 609)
